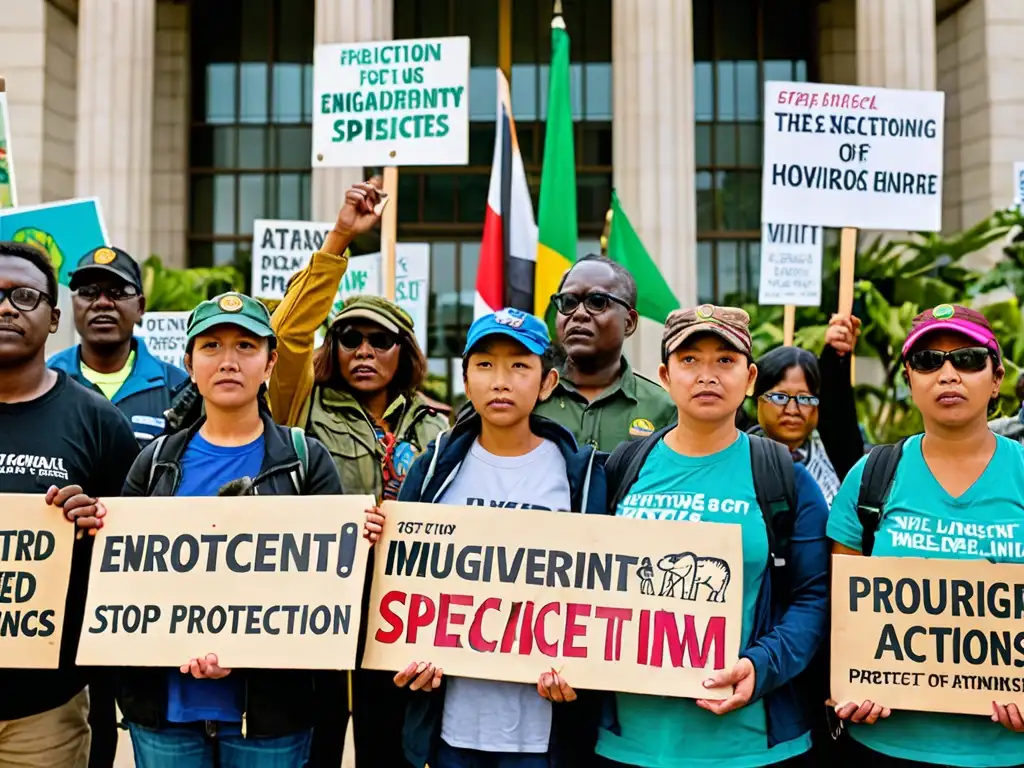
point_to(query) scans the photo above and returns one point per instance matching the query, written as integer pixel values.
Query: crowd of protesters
(563, 426)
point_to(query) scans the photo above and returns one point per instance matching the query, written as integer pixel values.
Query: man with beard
(108, 304)
(61, 441)
(599, 397)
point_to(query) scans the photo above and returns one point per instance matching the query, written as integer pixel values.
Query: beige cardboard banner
(262, 581)
(505, 594)
(927, 635)
(36, 544)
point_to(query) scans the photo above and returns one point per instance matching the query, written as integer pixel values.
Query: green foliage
(168, 289)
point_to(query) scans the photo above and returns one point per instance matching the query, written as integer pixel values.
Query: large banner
(8, 190)
(927, 634)
(66, 230)
(647, 607)
(261, 581)
(36, 543)
(852, 156)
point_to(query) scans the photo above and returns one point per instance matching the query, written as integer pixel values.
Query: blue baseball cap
(525, 328)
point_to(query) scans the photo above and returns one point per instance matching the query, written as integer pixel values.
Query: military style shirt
(634, 406)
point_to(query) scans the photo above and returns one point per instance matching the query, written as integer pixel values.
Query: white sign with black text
(790, 265)
(279, 250)
(164, 334)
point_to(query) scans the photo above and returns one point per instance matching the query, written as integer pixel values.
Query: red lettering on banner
(548, 649)
(442, 638)
(666, 630)
(615, 620)
(574, 630)
(509, 636)
(419, 618)
(390, 617)
(476, 632)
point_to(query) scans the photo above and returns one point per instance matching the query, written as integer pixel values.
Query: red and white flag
(508, 254)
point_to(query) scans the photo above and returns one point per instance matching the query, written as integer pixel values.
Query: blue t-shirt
(204, 469)
(922, 520)
(666, 732)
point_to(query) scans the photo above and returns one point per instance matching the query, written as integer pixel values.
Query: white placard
(399, 102)
(279, 250)
(1018, 184)
(791, 257)
(164, 334)
(851, 156)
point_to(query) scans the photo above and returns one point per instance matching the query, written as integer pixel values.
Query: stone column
(351, 21)
(653, 139)
(896, 44)
(115, 116)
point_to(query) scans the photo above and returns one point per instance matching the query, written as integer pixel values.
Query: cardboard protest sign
(393, 103)
(261, 581)
(852, 156)
(505, 594)
(66, 230)
(164, 334)
(927, 634)
(791, 256)
(36, 543)
(8, 190)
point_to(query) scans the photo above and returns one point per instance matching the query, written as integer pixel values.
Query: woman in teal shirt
(702, 469)
(957, 471)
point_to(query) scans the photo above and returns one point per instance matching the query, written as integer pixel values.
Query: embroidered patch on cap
(103, 256)
(513, 318)
(943, 312)
(230, 303)
(641, 427)
(705, 311)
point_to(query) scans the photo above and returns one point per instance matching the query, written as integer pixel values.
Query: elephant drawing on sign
(690, 572)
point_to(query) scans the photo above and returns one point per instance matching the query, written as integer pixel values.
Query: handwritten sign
(852, 156)
(174, 578)
(645, 607)
(399, 102)
(36, 546)
(279, 250)
(165, 335)
(791, 256)
(927, 634)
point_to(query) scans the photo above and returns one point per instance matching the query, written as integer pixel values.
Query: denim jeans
(456, 757)
(189, 746)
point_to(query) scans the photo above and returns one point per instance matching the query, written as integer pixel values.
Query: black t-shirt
(68, 436)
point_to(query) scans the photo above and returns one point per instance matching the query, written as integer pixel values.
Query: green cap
(377, 310)
(230, 309)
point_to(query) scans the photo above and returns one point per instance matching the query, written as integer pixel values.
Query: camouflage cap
(730, 323)
(377, 310)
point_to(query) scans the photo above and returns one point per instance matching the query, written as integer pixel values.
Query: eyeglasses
(24, 298)
(781, 399)
(382, 341)
(112, 292)
(966, 359)
(595, 302)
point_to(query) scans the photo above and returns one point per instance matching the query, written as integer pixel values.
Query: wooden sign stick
(389, 231)
(788, 324)
(847, 266)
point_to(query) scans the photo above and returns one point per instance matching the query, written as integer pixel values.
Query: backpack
(774, 484)
(879, 471)
(298, 475)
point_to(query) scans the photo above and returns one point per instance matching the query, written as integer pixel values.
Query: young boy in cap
(501, 455)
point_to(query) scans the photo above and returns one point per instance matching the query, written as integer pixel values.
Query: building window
(737, 46)
(252, 85)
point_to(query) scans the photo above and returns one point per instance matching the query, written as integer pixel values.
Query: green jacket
(633, 407)
(340, 423)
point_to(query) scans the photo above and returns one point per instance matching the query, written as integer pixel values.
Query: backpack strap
(775, 486)
(158, 445)
(624, 464)
(302, 451)
(879, 471)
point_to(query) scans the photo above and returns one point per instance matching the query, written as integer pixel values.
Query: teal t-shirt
(922, 520)
(665, 732)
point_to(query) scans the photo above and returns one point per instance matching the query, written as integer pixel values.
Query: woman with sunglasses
(358, 394)
(962, 476)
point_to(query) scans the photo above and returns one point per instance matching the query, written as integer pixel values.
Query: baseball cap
(954, 319)
(230, 309)
(112, 261)
(729, 323)
(525, 328)
(377, 310)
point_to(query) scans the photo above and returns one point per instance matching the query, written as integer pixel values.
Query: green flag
(656, 299)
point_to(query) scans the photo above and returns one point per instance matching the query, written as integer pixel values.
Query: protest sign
(852, 156)
(164, 334)
(791, 256)
(927, 634)
(66, 230)
(8, 191)
(647, 607)
(392, 103)
(279, 250)
(1018, 185)
(260, 581)
(36, 544)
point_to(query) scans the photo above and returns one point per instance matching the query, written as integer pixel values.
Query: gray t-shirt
(487, 715)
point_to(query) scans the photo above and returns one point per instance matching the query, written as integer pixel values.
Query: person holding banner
(501, 455)
(958, 477)
(59, 439)
(203, 715)
(705, 469)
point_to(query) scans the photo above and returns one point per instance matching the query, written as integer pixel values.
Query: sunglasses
(382, 341)
(112, 292)
(781, 399)
(24, 298)
(594, 302)
(967, 359)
